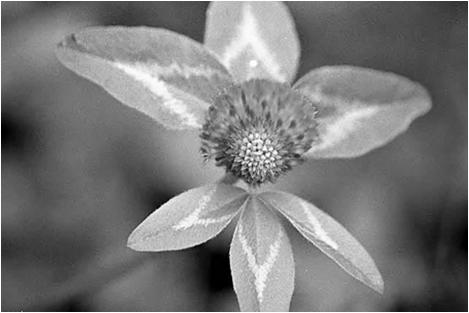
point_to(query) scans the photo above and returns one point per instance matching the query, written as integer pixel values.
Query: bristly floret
(258, 130)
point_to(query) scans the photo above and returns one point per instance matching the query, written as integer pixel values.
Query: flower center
(258, 130)
(256, 156)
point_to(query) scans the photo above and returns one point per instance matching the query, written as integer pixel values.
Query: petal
(167, 76)
(328, 235)
(261, 260)
(188, 219)
(360, 109)
(254, 39)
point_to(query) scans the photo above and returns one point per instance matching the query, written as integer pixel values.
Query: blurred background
(80, 171)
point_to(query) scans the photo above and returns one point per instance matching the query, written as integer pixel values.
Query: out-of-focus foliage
(80, 170)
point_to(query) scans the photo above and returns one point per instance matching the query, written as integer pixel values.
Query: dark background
(80, 170)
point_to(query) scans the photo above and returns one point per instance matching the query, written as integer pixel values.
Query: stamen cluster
(256, 156)
(259, 130)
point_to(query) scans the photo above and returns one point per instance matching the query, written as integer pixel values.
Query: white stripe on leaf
(342, 124)
(161, 90)
(319, 231)
(188, 219)
(328, 235)
(165, 75)
(261, 260)
(184, 70)
(248, 36)
(194, 218)
(337, 129)
(360, 109)
(260, 271)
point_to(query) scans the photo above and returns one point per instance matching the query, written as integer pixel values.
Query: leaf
(328, 235)
(253, 39)
(261, 260)
(167, 76)
(188, 219)
(360, 109)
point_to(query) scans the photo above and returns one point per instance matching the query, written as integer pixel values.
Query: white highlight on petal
(319, 232)
(248, 36)
(194, 218)
(185, 70)
(337, 129)
(260, 271)
(253, 63)
(160, 89)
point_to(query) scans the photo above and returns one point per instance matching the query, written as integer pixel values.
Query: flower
(258, 130)
(236, 91)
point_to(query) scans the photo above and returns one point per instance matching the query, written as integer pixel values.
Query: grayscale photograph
(234, 156)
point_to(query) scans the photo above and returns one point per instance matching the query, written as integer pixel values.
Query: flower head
(236, 91)
(258, 130)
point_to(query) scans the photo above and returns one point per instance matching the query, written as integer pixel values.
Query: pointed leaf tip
(261, 260)
(188, 219)
(328, 235)
(360, 109)
(167, 76)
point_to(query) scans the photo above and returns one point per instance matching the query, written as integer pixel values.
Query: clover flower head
(258, 130)
(236, 90)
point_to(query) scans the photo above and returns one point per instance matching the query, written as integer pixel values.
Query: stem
(255, 189)
(228, 179)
